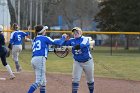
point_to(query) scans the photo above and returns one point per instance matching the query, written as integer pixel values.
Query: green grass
(122, 64)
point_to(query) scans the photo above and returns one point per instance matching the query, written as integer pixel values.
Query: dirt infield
(60, 83)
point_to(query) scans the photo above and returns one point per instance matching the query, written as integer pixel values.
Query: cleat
(19, 69)
(12, 77)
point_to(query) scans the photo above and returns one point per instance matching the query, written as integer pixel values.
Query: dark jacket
(2, 45)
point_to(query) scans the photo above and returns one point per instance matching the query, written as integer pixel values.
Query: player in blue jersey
(39, 56)
(16, 44)
(83, 60)
(3, 52)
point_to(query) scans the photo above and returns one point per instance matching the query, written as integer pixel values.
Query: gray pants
(16, 49)
(87, 67)
(39, 66)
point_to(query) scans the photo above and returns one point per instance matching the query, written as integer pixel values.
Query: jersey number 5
(19, 37)
(36, 45)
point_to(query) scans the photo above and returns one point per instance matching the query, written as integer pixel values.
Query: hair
(15, 26)
(38, 28)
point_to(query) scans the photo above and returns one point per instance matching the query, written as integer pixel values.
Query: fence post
(111, 45)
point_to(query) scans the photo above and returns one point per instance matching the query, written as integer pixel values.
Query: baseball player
(83, 60)
(3, 52)
(39, 56)
(16, 44)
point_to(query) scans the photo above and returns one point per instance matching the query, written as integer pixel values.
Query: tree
(12, 12)
(33, 11)
(119, 15)
(78, 10)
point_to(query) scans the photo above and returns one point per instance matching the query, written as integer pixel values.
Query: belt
(36, 56)
(85, 60)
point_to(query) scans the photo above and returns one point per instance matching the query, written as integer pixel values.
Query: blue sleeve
(11, 41)
(25, 34)
(12, 38)
(59, 42)
(67, 43)
(56, 42)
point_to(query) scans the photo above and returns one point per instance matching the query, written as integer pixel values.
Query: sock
(33, 87)
(91, 87)
(17, 65)
(43, 89)
(75, 87)
(9, 69)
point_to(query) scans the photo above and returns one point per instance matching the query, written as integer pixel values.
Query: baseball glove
(61, 51)
(10, 46)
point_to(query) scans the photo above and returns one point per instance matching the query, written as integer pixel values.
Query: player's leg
(40, 70)
(35, 85)
(42, 74)
(3, 59)
(76, 76)
(18, 52)
(15, 54)
(43, 89)
(88, 68)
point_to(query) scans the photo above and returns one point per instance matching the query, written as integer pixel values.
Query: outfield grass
(122, 64)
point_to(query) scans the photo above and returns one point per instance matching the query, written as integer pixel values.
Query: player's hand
(67, 37)
(64, 35)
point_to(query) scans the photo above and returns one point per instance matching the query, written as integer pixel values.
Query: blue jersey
(17, 36)
(82, 54)
(41, 44)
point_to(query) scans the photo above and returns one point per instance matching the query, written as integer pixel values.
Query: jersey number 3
(36, 45)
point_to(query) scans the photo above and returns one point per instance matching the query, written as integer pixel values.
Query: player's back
(17, 36)
(40, 46)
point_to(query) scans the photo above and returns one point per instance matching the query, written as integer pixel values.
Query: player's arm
(55, 42)
(67, 43)
(11, 41)
(12, 38)
(26, 35)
